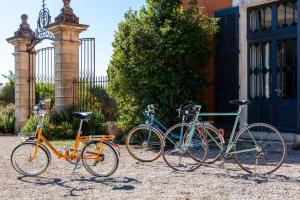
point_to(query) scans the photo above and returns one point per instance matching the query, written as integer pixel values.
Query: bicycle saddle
(82, 115)
(239, 102)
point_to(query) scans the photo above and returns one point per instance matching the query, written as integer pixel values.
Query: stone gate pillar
(24, 72)
(66, 44)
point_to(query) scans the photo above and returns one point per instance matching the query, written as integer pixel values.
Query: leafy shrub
(7, 94)
(157, 58)
(95, 124)
(45, 90)
(7, 119)
(104, 102)
(32, 122)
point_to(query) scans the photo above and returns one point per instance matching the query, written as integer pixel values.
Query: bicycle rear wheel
(215, 147)
(180, 148)
(101, 165)
(144, 143)
(260, 148)
(23, 162)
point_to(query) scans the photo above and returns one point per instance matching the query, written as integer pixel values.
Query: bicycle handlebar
(188, 109)
(151, 109)
(39, 108)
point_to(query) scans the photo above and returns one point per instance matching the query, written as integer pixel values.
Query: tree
(158, 57)
(7, 94)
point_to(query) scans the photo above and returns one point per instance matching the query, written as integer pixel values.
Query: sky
(103, 17)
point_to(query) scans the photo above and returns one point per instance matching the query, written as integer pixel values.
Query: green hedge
(7, 118)
(159, 55)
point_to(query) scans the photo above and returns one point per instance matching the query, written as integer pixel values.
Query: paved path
(134, 180)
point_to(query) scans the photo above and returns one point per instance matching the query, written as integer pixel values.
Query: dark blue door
(272, 64)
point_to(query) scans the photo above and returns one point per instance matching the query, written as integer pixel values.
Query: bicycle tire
(269, 143)
(178, 156)
(214, 151)
(110, 154)
(25, 154)
(141, 149)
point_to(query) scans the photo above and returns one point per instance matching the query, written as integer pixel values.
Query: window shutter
(227, 64)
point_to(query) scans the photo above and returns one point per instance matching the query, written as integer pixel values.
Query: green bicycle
(258, 148)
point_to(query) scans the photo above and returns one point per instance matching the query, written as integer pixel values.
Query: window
(282, 60)
(260, 70)
(287, 69)
(287, 13)
(260, 19)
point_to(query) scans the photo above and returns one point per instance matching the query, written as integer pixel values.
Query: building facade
(256, 53)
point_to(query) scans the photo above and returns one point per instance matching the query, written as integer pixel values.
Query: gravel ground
(134, 180)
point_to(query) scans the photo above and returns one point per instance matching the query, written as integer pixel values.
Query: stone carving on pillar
(24, 29)
(67, 15)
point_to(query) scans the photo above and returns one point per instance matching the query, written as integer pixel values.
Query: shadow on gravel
(116, 183)
(44, 181)
(259, 179)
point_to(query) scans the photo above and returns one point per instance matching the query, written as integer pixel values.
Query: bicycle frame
(153, 122)
(79, 139)
(238, 120)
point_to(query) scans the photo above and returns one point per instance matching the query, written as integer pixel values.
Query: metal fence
(45, 65)
(90, 93)
(45, 61)
(87, 57)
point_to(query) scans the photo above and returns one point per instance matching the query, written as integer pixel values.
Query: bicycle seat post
(80, 125)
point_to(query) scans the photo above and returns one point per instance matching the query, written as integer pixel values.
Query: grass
(63, 143)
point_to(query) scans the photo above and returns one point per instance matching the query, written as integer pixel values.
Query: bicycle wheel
(179, 144)
(101, 165)
(144, 143)
(260, 148)
(23, 162)
(215, 149)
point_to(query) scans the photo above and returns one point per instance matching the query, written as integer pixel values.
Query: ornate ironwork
(41, 32)
(43, 21)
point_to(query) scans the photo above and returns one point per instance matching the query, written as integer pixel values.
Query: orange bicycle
(99, 155)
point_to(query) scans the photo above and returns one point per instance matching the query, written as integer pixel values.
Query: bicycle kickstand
(75, 167)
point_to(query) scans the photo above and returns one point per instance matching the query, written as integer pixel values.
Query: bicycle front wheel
(183, 149)
(100, 158)
(144, 143)
(24, 161)
(260, 148)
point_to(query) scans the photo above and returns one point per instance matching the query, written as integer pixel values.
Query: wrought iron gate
(45, 65)
(45, 61)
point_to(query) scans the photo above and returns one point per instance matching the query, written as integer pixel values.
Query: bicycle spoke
(270, 149)
(144, 144)
(177, 154)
